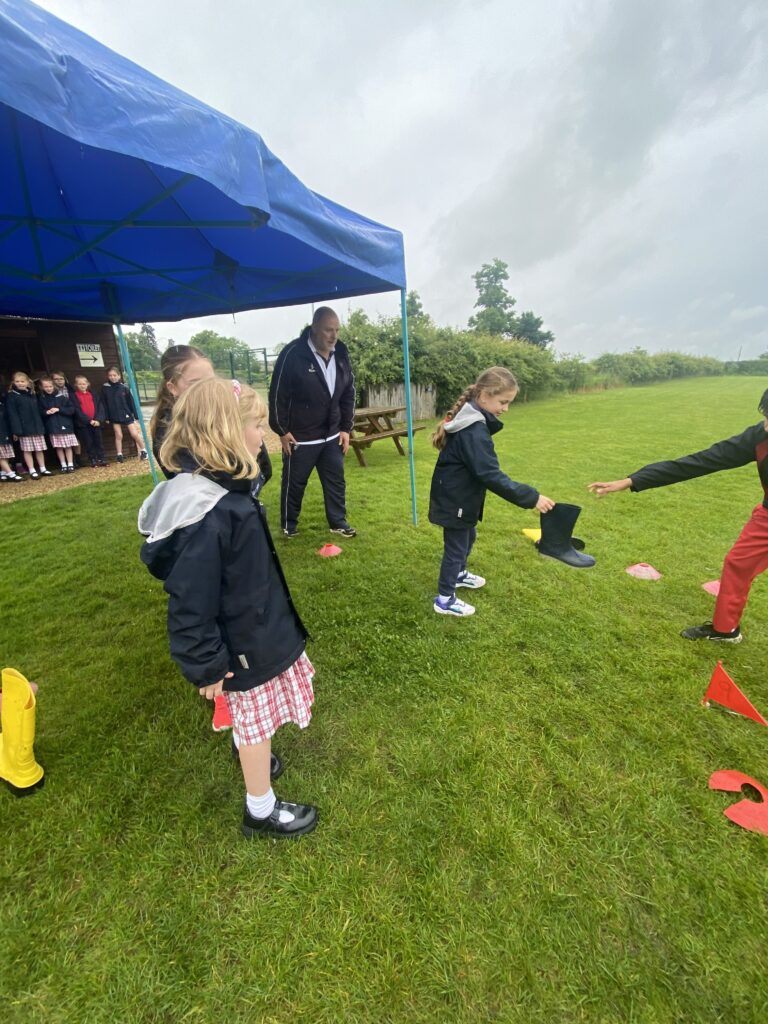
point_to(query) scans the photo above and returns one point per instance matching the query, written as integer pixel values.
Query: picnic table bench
(374, 424)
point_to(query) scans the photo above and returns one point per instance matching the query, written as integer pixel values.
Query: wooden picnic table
(374, 424)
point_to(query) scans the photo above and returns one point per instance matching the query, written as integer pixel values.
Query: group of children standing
(63, 416)
(233, 627)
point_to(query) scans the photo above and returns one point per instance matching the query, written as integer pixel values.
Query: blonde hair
(208, 422)
(494, 381)
(27, 378)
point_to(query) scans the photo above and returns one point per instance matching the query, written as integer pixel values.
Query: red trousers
(747, 558)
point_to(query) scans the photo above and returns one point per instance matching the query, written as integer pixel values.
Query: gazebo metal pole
(408, 409)
(126, 357)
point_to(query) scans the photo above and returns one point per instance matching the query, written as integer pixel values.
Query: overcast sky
(613, 153)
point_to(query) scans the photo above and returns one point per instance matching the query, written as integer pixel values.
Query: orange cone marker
(329, 551)
(724, 691)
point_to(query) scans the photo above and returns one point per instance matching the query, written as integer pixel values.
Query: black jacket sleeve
(280, 394)
(729, 454)
(347, 401)
(194, 588)
(14, 420)
(481, 458)
(130, 402)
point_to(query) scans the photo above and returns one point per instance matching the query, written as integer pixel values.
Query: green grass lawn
(516, 824)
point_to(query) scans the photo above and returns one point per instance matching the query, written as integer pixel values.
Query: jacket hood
(469, 414)
(177, 503)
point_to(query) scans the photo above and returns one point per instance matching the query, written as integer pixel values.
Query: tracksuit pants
(457, 545)
(328, 459)
(747, 559)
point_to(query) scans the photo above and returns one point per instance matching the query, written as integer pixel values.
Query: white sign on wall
(90, 355)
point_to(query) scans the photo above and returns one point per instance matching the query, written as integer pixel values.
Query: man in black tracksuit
(312, 408)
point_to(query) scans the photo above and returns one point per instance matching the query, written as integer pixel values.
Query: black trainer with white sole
(707, 631)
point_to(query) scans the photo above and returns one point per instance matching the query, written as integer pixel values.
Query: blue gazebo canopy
(124, 199)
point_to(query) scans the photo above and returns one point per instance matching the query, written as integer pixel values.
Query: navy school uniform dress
(466, 468)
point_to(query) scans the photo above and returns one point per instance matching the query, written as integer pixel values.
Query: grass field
(516, 824)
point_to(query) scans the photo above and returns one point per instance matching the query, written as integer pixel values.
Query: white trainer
(454, 607)
(468, 579)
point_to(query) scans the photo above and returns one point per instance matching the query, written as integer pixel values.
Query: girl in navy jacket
(26, 423)
(58, 416)
(466, 467)
(7, 454)
(232, 624)
(120, 410)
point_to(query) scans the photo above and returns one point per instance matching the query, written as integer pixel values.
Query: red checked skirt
(257, 714)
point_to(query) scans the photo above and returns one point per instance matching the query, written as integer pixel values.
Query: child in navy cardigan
(232, 624)
(58, 414)
(120, 410)
(26, 424)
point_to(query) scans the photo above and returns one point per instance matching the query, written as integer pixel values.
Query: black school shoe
(708, 632)
(304, 820)
(276, 766)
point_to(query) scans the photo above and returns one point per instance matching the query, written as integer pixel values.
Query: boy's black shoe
(276, 766)
(290, 531)
(120, 457)
(304, 820)
(345, 530)
(708, 632)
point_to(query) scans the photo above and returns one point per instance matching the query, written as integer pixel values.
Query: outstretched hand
(609, 487)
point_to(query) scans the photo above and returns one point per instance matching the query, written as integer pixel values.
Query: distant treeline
(450, 359)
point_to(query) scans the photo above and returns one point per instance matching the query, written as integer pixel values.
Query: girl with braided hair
(466, 467)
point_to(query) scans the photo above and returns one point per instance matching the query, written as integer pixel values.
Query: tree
(528, 328)
(142, 346)
(496, 309)
(413, 306)
(217, 348)
(494, 302)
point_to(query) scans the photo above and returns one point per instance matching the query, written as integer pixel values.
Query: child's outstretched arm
(601, 489)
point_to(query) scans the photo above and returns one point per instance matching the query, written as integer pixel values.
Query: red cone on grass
(750, 814)
(724, 691)
(329, 551)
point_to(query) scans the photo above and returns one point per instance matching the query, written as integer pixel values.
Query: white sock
(445, 601)
(262, 807)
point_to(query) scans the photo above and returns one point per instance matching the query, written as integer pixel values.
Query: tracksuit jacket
(23, 412)
(749, 446)
(61, 422)
(467, 467)
(229, 607)
(299, 400)
(117, 403)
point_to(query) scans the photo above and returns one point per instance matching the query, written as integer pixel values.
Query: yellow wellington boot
(17, 757)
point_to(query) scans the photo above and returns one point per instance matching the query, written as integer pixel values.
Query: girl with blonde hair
(232, 624)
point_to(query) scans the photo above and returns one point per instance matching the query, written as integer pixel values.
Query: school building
(41, 346)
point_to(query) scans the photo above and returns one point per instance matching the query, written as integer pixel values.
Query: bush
(749, 367)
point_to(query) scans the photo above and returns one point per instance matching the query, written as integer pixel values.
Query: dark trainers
(290, 531)
(303, 819)
(346, 530)
(708, 632)
(120, 457)
(143, 455)
(276, 766)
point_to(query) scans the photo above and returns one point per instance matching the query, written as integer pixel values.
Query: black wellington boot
(556, 540)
